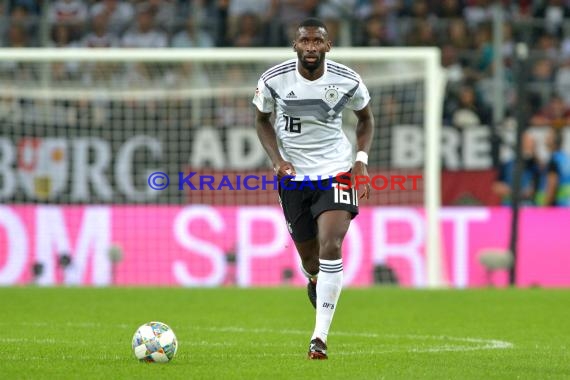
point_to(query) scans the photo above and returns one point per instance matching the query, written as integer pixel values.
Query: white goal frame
(433, 96)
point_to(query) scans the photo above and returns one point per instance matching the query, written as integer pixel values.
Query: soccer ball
(155, 342)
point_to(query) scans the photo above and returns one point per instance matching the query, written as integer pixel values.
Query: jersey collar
(303, 79)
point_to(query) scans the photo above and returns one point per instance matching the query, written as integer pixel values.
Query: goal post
(187, 88)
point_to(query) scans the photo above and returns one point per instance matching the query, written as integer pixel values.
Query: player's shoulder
(343, 70)
(279, 69)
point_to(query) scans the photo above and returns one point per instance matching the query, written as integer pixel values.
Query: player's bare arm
(268, 139)
(364, 135)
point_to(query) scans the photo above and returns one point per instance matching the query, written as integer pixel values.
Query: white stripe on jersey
(308, 120)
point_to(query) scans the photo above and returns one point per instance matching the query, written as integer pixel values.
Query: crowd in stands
(463, 30)
(543, 182)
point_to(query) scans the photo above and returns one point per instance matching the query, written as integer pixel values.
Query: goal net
(143, 167)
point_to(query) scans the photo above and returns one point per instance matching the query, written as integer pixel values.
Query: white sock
(307, 274)
(329, 286)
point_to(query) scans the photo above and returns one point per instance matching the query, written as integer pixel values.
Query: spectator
(231, 110)
(70, 12)
(144, 34)
(248, 32)
(477, 12)
(61, 36)
(4, 22)
(508, 46)
(100, 36)
(452, 9)
(458, 36)
(530, 175)
(375, 32)
(333, 12)
(469, 111)
(291, 12)
(118, 13)
(414, 17)
(554, 114)
(422, 34)
(390, 111)
(565, 48)
(33, 7)
(165, 13)
(264, 9)
(484, 48)
(16, 37)
(547, 47)
(419, 10)
(553, 12)
(385, 10)
(542, 71)
(557, 190)
(238, 8)
(486, 85)
(562, 81)
(20, 14)
(522, 9)
(453, 68)
(191, 36)
(188, 74)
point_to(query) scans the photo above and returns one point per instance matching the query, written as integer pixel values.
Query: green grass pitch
(228, 333)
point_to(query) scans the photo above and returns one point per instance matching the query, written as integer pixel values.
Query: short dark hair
(312, 22)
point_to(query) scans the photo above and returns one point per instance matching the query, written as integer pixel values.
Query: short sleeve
(263, 99)
(360, 98)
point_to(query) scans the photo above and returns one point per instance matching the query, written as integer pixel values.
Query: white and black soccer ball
(155, 342)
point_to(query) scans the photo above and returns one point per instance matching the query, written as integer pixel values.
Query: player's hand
(284, 168)
(359, 169)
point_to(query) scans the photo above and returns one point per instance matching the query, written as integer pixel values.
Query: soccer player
(308, 149)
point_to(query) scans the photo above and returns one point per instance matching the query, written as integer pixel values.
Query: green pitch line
(264, 333)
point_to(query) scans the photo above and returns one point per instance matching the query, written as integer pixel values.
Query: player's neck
(312, 74)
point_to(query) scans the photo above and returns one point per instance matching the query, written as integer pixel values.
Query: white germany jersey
(308, 119)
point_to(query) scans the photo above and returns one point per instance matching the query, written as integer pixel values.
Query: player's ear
(329, 45)
(294, 46)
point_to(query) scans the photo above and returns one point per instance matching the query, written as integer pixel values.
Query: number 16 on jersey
(349, 196)
(292, 124)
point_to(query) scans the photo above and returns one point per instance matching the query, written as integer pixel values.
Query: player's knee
(330, 248)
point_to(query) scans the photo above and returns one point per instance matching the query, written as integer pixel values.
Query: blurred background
(58, 144)
(475, 55)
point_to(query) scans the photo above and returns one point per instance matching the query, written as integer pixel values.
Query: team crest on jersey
(331, 94)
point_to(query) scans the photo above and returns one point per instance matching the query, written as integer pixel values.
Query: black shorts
(303, 202)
